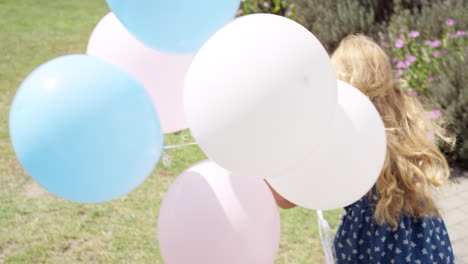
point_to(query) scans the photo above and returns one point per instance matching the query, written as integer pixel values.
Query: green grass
(37, 227)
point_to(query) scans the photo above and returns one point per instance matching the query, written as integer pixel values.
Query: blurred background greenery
(435, 41)
(37, 227)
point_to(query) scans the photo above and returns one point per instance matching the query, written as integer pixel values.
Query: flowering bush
(427, 16)
(426, 39)
(435, 68)
(419, 61)
(450, 94)
(285, 8)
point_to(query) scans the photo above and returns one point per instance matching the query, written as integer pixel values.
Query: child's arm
(283, 203)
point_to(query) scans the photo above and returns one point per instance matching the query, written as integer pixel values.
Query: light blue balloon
(84, 129)
(174, 25)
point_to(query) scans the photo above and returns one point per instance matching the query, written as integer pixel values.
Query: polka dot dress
(360, 240)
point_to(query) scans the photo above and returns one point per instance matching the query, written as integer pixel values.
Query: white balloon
(346, 166)
(260, 95)
(161, 73)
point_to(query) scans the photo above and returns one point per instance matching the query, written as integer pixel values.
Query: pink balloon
(161, 73)
(209, 217)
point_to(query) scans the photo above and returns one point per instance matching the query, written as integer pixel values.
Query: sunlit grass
(37, 227)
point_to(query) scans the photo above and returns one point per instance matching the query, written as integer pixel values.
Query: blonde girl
(398, 221)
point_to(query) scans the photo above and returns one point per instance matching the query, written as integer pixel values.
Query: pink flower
(437, 54)
(444, 51)
(434, 114)
(292, 5)
(399, 73)
(266, 4)
(431, 135)
(436, 43)
(399, 43)
(413, 93)
(240, 11)
(459, 33)
(432, 79)
(450, 22)
(410, 58)
(289, 13)
(413, 34)
(402, 64)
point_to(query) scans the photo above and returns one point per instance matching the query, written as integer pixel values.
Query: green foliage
(333, 20)
(420, 61)
(433, 63)
(429, 67)
(285, 8)
(450, 94)
(428, 18)
(415, 5)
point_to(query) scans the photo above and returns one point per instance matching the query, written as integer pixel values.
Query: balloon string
(166, 159)
(181, 145)
(324, 227)
(326, 238)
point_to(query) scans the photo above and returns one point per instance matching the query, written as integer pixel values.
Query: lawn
(36, 227)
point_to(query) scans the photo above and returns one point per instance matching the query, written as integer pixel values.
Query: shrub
(450, 94)
(435, 68)
(333, 20)
(429, 18)
(418, 61)
(279, 7)
(425, 38)
(329, 20)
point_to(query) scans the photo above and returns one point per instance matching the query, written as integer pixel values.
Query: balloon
(346, 166)
(176, 25)
(85, 130)
(210, 217)
(260, 95)
(162, 74)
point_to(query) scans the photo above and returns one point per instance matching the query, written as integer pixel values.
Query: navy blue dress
(360, 239)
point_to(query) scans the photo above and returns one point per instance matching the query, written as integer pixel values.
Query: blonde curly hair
(414, 164)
